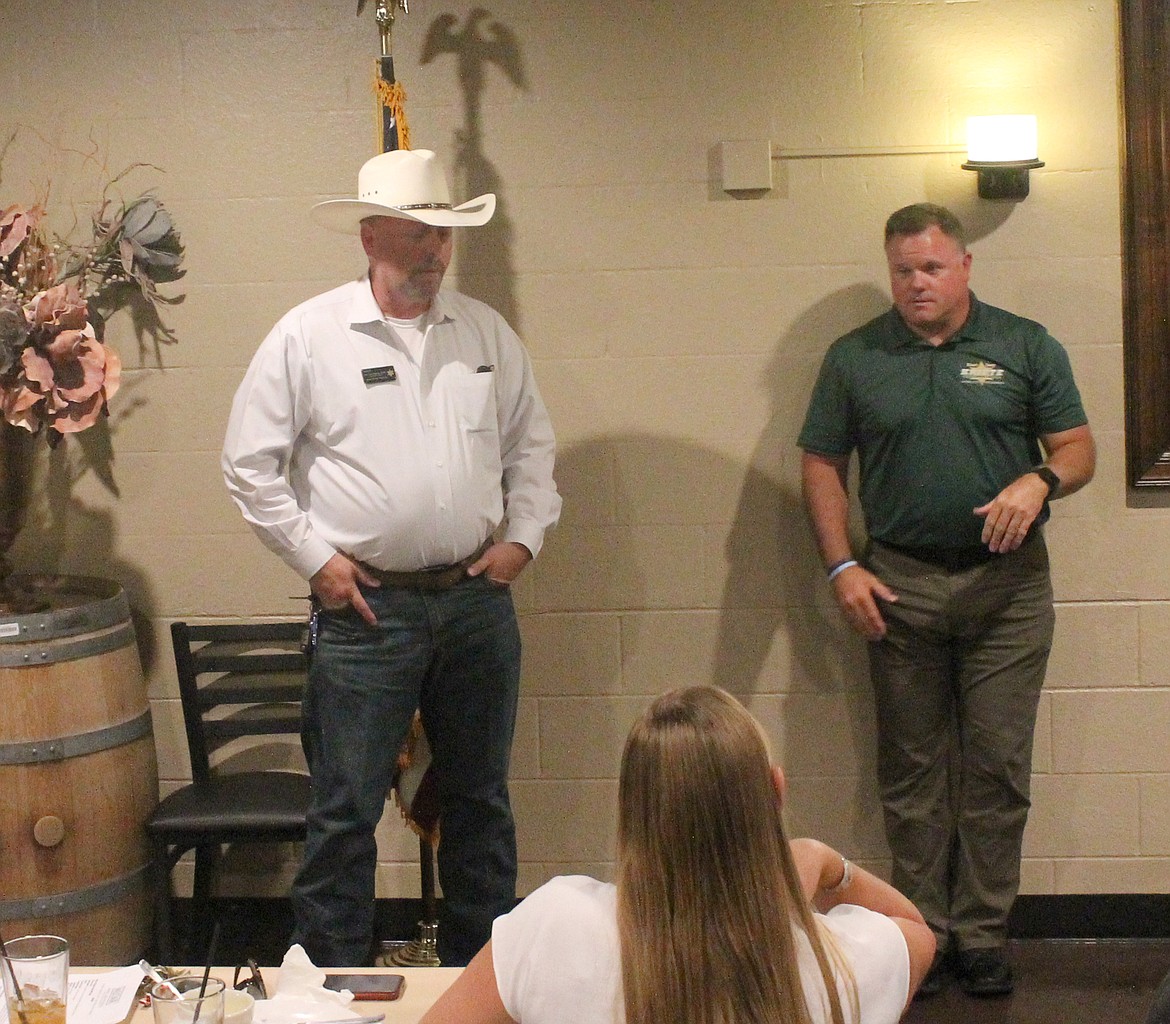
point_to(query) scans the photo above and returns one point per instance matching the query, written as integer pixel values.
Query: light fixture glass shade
(1001, 137)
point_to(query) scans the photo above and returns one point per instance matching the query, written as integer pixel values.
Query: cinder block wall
(676, 332)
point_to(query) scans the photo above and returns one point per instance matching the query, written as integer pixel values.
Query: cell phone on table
(382, 987)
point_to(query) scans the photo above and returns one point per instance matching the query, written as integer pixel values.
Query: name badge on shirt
(379, 375)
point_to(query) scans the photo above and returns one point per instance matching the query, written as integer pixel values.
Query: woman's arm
(473, 998)
(822, 870)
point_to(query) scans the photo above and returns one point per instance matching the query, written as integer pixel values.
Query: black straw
(212, 946)
(15, 983)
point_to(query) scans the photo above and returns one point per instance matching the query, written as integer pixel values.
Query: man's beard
(423, 284)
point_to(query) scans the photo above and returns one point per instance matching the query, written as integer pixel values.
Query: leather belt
(957, 559)
(440, 577)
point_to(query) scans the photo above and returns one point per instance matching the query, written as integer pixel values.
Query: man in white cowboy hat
(389, 442)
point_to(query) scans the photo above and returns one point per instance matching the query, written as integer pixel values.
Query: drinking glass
(36, 979)
(178, 1001)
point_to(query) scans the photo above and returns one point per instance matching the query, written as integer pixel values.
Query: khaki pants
(957, 680)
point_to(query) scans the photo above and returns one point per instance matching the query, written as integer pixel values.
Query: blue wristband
(840, 567)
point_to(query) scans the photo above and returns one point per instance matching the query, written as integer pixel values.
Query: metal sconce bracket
(1006, 179)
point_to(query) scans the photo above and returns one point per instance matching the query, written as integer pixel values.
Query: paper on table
(301, 996)
(105, 998)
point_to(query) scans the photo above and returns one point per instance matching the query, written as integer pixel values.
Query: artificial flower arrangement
(57, 375)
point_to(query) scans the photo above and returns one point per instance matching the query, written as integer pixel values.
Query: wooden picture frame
(1145, 47)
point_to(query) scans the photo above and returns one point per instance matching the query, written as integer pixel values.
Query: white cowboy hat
(408, 183)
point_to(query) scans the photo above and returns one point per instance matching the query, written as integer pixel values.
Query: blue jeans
(455, 655)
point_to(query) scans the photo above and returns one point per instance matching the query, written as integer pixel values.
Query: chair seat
(246, 805)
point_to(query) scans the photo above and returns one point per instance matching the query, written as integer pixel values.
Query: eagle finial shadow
(473, 49)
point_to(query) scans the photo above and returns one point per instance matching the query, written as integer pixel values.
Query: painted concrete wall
(675, 330)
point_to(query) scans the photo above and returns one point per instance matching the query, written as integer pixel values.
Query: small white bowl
(238, 1006)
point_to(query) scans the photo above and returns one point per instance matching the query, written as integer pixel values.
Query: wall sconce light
(1001, 149)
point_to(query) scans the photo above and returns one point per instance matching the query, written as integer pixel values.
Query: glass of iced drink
(36, 979)
(187, 999)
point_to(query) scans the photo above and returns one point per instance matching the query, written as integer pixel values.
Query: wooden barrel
(78, 772)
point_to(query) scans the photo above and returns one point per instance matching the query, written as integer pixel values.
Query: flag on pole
(392, 129)
(394, 132)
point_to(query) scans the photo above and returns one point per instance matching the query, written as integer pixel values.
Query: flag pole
(393, 131)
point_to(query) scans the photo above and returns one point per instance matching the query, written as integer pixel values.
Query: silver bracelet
(840, 567)
(846, 877)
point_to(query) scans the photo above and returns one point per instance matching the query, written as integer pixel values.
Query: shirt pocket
(474, 400)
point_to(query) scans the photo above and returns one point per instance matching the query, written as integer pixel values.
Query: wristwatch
(1049, 477)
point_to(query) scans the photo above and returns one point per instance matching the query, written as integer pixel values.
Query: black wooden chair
(239, 683)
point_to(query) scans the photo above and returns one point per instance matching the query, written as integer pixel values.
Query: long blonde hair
(708, 898)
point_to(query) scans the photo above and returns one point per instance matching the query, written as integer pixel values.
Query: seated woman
(712, 918)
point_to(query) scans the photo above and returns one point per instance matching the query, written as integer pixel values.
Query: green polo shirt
(940, 430)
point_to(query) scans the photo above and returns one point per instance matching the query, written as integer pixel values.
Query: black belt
(956, 559)
(440, 577)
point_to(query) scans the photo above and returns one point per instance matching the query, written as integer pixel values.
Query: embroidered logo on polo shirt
(981, 372)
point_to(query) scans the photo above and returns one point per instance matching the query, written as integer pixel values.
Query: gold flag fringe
(406, 756)
(392, 96)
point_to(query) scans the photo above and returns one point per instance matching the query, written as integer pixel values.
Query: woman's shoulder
(556, 955)
(568, 896)
(585, 885)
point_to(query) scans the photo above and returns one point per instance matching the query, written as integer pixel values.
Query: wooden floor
(1062, 981)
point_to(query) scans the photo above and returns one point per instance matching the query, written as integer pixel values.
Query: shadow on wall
(644, 518)
(710, 569)
(825, 727)
(61, 534)
(960, 195)
(483, 255)
(771, 554)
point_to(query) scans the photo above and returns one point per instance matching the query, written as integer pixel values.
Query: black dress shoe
(984, 972)
(935, 978)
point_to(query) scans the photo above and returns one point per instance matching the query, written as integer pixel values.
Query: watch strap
(1049, 477)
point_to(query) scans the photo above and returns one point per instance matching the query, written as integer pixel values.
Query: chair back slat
(258, 720)
(245, 632)
(262, 688)
(259, 660)
(237, 680)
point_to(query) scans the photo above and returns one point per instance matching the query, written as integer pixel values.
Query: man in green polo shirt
(966, 422)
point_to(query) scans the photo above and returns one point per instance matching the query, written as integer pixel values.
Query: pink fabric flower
(55, 372)
(66, 375)
(15, 224)
(20, 406)
(60, 307)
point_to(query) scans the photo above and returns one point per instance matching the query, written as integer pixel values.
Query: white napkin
(301, 996)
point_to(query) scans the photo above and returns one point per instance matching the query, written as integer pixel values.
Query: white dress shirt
(341, 440)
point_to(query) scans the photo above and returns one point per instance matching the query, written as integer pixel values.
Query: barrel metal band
(94, 604)
(33, 653)
(59, 748)
(75, 901)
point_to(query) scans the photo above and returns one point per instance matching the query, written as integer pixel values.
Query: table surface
(423, 986)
